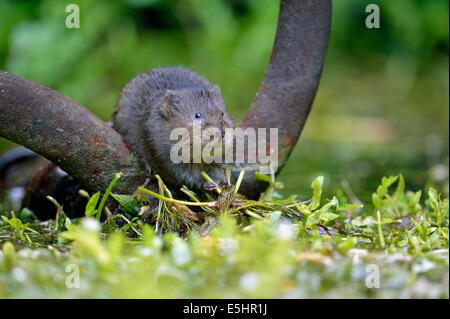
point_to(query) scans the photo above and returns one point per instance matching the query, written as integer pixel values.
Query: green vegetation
(236, 248)
(381, 110)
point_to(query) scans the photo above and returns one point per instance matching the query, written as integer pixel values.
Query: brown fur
(153, 104)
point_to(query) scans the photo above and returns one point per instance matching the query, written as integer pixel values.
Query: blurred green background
(382, 106)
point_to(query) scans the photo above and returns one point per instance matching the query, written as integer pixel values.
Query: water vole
(155, 103)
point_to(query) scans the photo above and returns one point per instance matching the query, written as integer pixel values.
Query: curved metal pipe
(67, 134)
(291, 79)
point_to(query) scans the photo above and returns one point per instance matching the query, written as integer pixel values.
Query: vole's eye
(198, 115)
(222, 113)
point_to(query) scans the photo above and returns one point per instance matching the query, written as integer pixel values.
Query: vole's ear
(216, 90)
(169, 103)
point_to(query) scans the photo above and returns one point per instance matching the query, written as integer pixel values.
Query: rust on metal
(291, 79)
(66, 133)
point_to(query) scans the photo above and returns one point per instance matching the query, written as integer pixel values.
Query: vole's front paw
(213, 186)
(140, 196)
(210, 186)
(223, 183)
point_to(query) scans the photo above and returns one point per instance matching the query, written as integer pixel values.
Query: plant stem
(105, 196)
(253, 214)
(209, 179)
(393, 204)
(171, 200)
(380, 232)
(239, 181)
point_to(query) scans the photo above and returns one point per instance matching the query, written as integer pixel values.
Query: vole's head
(192, 109)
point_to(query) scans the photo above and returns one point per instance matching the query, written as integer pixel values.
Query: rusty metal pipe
(291, 79)
(67, 134)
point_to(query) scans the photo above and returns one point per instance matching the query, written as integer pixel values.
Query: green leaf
(359, 221)
(388, 181)
(264, 178)
(286, 201)
(376, 200)
(326, 217)
(317, 193)
(302, 208)
(8, 249)
(419, 228)
(313, 219)
(382, 190)
(128, 204)
(274, 218)
(346, 207)
(444, 232)
(9, 254)
(106, 195)
(414, 200)
(16, 224)
(92, 204)
(325, 208)
(434, 198)
(26, 213)
(279, 185)
(67, 222)
(400, 189)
